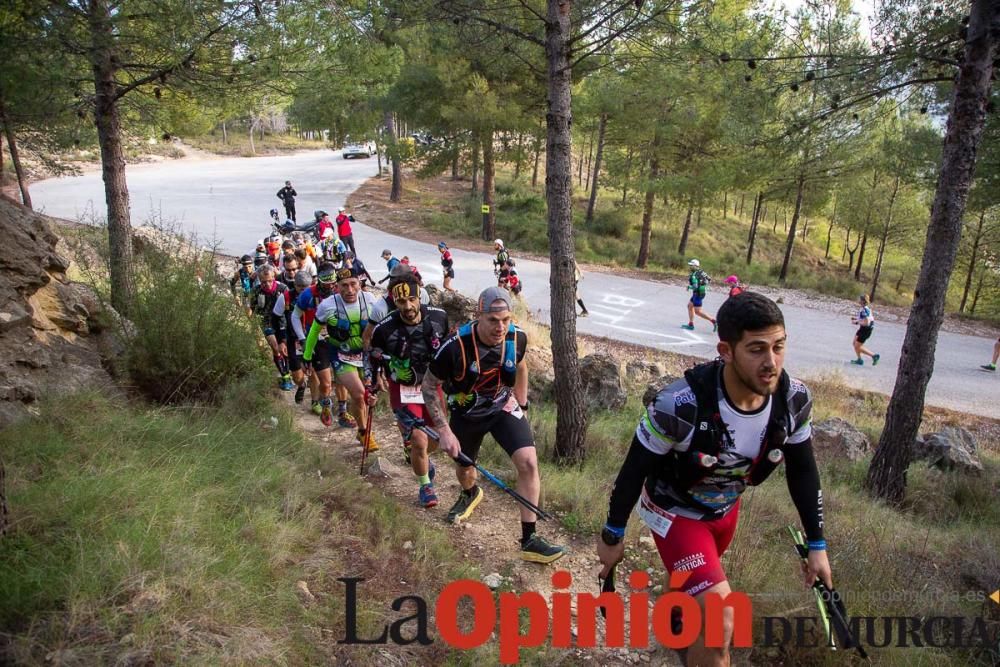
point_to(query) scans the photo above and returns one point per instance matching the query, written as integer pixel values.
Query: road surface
(229, 199)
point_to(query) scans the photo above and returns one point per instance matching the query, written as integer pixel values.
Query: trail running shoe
(989, 367)
(427, 496)
(326, 414)
(300, 393)
(689, 327)
(345, 420)
(584, 313)
(858, 362)
(286, 383)
(538, 550)
(875, 359)
(316, 408)
(372, 443)
(463, 507)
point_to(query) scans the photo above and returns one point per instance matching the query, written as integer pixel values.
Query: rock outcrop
(55, 334)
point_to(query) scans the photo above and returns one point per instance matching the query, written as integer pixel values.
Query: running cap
(328, 233)
(442, 244)
(498, 242)
(346, 273)
(386, 252)
(489, 296)
(341, 209)
(695, 263)
(733, 280)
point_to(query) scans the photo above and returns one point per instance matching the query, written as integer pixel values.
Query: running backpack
(466, 380)
(701, 458)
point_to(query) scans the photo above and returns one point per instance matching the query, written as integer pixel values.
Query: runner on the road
(866, 324)
(344, 316)
(344, 230)
(287, 196)
(992, 366)
(502, 258)
(735, 286)
(483, 371)
(447, 266)
(698, 285)
(390, 263)
(404, 343)
(350, 260)
(703, 439)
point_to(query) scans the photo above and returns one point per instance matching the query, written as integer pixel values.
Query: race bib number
(410, 395)
(512, 407)
(351, 358)
(658, 520)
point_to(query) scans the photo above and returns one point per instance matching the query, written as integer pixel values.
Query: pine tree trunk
(109, 137)
(884, 240)
(975, 297)
(396, 190)
(517, 160)
(754, 222)
(887, 474)
(253, 150)
(597, 169)
(225, 137)
(647, 211)
(972, 260)
(687, 230)
(725, 204)
(454, 165)
(571, 416)
(489, 188)
(538, 153)
(861, 254)
(847, 243)
(15, 157)
(743, 196)
(590, 160)
(829, 230)
(791, 232)
(475, 164)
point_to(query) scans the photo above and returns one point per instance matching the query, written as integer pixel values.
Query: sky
(864, 8)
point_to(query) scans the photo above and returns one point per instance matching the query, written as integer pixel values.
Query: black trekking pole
(607, 585)
(831, 606)
(407, 419)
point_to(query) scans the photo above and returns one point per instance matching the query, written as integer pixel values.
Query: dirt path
(489, 538)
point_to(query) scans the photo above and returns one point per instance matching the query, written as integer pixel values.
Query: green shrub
(191, 339)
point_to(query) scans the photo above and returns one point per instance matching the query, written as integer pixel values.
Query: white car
(366, 149)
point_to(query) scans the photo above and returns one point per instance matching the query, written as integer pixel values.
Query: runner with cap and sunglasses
(404, 343)
(482, 370)
(698, 282)
(344, 316)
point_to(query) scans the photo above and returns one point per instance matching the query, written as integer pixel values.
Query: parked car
(365, 149)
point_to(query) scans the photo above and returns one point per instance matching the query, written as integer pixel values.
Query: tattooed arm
(430, 387)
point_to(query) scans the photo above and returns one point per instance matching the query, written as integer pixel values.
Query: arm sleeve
(804, 487)
(628, 485)
(279, 305)
(277, 322)
(307, 352)
(297, 323)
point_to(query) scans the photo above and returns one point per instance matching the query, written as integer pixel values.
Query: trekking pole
(407, 419)
(607, 585)
(831, 605)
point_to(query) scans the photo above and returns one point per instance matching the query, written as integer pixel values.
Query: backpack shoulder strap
(465, 333)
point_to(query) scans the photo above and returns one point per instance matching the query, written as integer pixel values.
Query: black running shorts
(864, 333)
(511, 432)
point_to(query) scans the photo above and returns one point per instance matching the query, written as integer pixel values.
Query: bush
(191, 338)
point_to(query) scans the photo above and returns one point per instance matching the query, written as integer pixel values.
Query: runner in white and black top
(866, 325)
(703, 440)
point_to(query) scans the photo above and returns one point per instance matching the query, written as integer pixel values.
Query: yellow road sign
(486, 208)
(996, 596)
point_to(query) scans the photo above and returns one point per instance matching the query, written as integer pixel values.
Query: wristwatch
(610, 537)
(524, 408)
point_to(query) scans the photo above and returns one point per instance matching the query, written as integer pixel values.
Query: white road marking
(619, 300)
(688, 338)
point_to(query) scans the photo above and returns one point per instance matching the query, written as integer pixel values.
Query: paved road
(229, 199)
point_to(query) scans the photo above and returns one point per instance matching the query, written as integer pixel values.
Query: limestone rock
(952, 448)
(601, 382)
(836, 437)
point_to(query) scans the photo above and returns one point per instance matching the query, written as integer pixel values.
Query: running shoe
(326, 414)
(858, 362)
(689, 327)
(584, 313)
(316, 408)
(286, 383)
(427, 496)
(875, 359)
(463, 507)
(989, 367)
(345, 420)
(372, 443)
(300, 393)
(538, 550)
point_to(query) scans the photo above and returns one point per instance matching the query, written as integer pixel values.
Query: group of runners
(698, 281)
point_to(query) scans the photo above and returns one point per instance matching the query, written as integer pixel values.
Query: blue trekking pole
(408, 421)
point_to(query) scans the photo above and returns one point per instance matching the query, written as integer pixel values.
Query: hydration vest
(469, 354)
(688, 468)
(340, 329)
